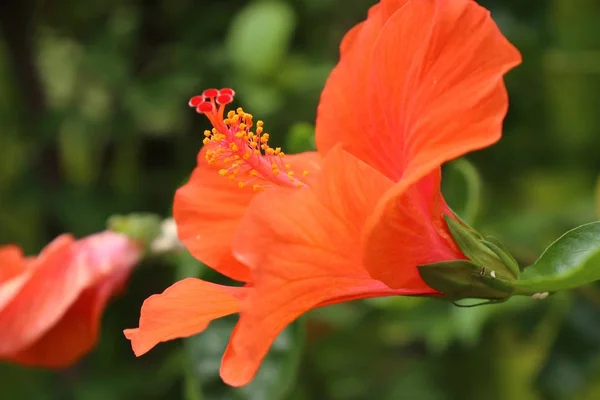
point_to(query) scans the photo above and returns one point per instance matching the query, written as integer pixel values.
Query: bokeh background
(94, 122)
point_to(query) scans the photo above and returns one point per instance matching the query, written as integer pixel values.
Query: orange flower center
(240, 147)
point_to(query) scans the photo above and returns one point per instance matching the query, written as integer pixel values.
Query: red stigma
(204, 108)
(224, 99)
(228, 91)
(196, 101)
(210, 93)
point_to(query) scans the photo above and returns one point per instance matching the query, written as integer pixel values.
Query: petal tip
(137, 345)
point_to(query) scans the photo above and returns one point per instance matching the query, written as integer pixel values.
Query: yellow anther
(234, 147)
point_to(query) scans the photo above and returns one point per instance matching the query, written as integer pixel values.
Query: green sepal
(505, 252)
(462, 279)
(472, 244)
(572, 260)
(506, 258)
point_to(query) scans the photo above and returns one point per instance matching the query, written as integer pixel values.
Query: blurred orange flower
(419, 83)
(51, 304)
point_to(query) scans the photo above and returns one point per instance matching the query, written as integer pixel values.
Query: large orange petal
(407, 229)
(342, 115)
(303, 246)
(452, 98)
(427, 89)
(184, 309)
(208, 210)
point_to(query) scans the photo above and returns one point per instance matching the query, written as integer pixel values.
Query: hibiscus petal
(42, 299)
(271, 310)
(452, 96)
(407, 229)
(184, 309)
(208, 210)
(342, 112)
(303, 257)
(430, 91)
(76, 333)
(12, 262)
(49, 305)
(13, 273)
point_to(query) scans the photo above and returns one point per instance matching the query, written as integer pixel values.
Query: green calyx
(487, 274)
(486, 253)
(491, 272)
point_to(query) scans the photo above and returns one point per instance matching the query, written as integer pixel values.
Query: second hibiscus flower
(419, 83)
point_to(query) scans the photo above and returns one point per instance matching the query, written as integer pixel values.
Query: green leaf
(572, 260)
(259, 37)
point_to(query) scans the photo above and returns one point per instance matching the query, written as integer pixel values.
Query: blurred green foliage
(95, 122)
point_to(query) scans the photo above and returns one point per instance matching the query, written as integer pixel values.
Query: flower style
(419, 83)
(51, 304)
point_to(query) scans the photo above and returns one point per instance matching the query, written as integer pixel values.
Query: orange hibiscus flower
(51, 304)
(420, 82)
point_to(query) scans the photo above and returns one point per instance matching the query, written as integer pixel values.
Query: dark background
(94, 122)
